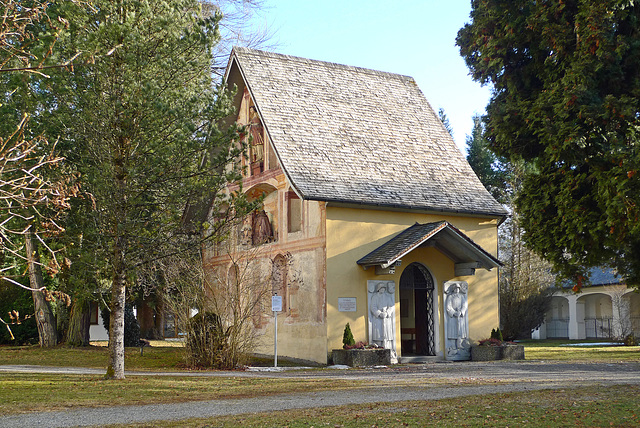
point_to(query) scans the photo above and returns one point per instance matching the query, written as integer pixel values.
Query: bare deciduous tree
(228, 304)
(242, 25)
(525, 280)
(622, 323)
(28, 196)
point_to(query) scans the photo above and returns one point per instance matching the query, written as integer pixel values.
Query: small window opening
(257, 142)
(294, 212)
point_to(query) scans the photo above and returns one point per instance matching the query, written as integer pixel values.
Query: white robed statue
(457, 326)
(382, 315)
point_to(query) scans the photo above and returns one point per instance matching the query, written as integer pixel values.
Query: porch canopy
(466, 254)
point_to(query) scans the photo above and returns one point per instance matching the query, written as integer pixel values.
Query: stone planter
(486, 353)
(513, 352)
(491, 353)
(361, 357)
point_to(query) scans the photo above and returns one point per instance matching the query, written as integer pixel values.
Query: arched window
(261, 226)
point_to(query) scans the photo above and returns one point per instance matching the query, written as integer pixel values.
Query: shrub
(497, 334)
(131, 327)
(630, 340)
(347, 337)
(520, 316)
(360, 345)
(15, 298)
(207, 343)
(490, 342)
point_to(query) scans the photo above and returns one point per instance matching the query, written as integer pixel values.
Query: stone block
(361, 357)
(491, 353)
(513, 352)
(486, 353)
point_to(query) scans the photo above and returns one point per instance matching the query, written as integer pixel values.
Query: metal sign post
(276, 306)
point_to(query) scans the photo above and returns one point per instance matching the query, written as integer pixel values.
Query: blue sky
(411, 37)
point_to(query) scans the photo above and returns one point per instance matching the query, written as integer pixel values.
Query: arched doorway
(557, 318)
(416, 311)
(598, 315)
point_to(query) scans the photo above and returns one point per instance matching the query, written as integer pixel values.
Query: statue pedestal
(361, 357)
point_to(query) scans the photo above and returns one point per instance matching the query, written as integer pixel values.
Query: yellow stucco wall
(353, 233)
(302, 329)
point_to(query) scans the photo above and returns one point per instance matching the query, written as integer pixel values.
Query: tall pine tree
(525, 279)
(141, 128)
(492, 171)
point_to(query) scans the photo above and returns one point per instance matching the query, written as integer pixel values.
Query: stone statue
(262, 231)
(457, 327)
(382, 315)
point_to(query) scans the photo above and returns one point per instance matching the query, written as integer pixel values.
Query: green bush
(347, 337)
(497, 334)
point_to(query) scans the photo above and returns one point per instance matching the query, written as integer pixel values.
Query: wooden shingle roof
(442, 235)
(357, 136)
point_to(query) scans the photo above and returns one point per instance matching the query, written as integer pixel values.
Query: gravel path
(455, 380)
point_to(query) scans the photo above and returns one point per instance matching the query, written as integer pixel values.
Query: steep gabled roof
(442, 235)
(358, 136)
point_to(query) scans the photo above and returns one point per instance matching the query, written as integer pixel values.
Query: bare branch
(22, 286)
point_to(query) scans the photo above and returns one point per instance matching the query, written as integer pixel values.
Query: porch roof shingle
(442, 235)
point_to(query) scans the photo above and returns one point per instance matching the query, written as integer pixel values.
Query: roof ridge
(319, 62)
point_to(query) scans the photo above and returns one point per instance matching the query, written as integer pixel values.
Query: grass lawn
(168, 356)
(575, 350)
(156, 358)
(26, 392)
(585, 407)
(160, 356)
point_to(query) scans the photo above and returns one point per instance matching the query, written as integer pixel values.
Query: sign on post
(276, 306)
(276, 303)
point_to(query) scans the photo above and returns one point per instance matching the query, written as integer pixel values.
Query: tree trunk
(79, 324)
(147, 315)
(160, 312)
(47, 334)
(116, 326)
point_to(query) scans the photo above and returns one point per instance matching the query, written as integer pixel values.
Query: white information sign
(347, 304)
(276, 303)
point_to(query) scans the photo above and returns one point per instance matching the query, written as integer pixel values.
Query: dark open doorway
(416, 311)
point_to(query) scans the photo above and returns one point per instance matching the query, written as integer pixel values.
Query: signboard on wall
(347, 304)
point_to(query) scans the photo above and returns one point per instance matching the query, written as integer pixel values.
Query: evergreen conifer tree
(141, 126)
(565, 102)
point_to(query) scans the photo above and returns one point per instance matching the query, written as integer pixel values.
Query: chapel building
(370, 214)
